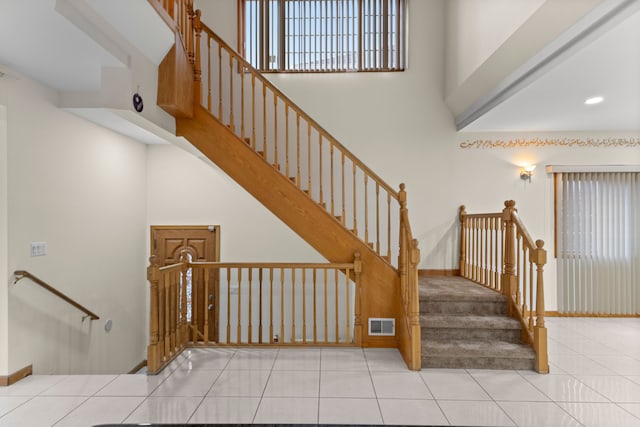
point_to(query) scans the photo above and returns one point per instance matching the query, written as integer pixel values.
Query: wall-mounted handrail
(21, 274)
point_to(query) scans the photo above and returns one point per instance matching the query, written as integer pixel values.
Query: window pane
(324, 35)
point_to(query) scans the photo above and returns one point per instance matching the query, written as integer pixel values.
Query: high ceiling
(607, 63)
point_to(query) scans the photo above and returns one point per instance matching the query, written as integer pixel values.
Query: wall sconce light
(527, 172)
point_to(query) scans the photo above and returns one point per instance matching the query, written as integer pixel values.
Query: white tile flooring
(594, 381)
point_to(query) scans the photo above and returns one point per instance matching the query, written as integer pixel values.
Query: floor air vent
(382, 327)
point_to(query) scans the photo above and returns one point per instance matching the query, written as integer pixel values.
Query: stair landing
(465, 325)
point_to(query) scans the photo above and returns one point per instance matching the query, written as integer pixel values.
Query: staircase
(465, 325)
(262, 140)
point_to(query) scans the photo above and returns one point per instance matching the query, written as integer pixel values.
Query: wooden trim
(429, 272)
(138, 367)
(595, 315)
(216, 230)
(16, 376)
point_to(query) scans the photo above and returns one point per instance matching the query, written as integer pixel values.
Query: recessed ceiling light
(594, 100)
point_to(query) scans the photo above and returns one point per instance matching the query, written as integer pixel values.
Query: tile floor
(594, 381)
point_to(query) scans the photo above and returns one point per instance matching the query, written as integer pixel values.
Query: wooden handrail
(299, 110)
(21, 274)
(323, 266)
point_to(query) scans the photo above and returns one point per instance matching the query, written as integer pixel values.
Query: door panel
(198, 243)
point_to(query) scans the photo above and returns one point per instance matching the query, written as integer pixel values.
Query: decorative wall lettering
(552, 142)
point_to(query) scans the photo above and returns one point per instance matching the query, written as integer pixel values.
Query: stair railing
(497, 251)
(251, 304)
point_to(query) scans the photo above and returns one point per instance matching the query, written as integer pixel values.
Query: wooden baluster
(491, 260)
(298, 183)
(485, 272)
(205, 306)
(309, 181)
(348, 302)
(153, 353)
(320, 173)
(281, 341)
(366, 208)
(540, 331)
(518, 266)
(228, 305)
(509, 278)
(357, 322)
(239, 325)
(496, 275)
(388, 226)
(304, 306)
(530, 305)
(241, 66)
(253, 111)
(264, 120)
(286, 139)
(208, 73)
(462, 216)
(232, 125)
(250, 333)
(271, 305)
(331, 170)
(220, 82)
(355, 200)
(167, 316)
(275, 131)
(344, 215)
(315, 309)
(184, 325)
(260, 273)
(326, 322)
(337, 299)
(293, 305)
(377, 218)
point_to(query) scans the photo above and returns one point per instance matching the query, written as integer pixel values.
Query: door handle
(210, 307)
(210, 297)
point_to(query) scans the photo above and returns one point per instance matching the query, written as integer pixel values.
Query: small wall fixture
(527, 172)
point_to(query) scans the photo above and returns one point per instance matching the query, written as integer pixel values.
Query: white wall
(398, 124)
(80, 188)
(185, 190)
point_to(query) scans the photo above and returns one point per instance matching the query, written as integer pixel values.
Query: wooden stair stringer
(380, 295)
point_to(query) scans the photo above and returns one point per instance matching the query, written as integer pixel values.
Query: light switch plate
(38, 248)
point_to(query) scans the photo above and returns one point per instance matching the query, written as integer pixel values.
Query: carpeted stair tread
(471, 349)
(468, 321)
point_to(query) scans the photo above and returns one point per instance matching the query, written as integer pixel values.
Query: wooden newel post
(509, 282)
(414, 309)
(357, 322)
(540, 331)
(197, 68)
(462, 214)
(153, 276)
(402, 253)
(188, 33)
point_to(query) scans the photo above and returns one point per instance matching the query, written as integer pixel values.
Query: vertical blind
(324, 35)
(598, 242)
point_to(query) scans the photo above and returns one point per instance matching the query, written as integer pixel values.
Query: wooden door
(197, 243)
